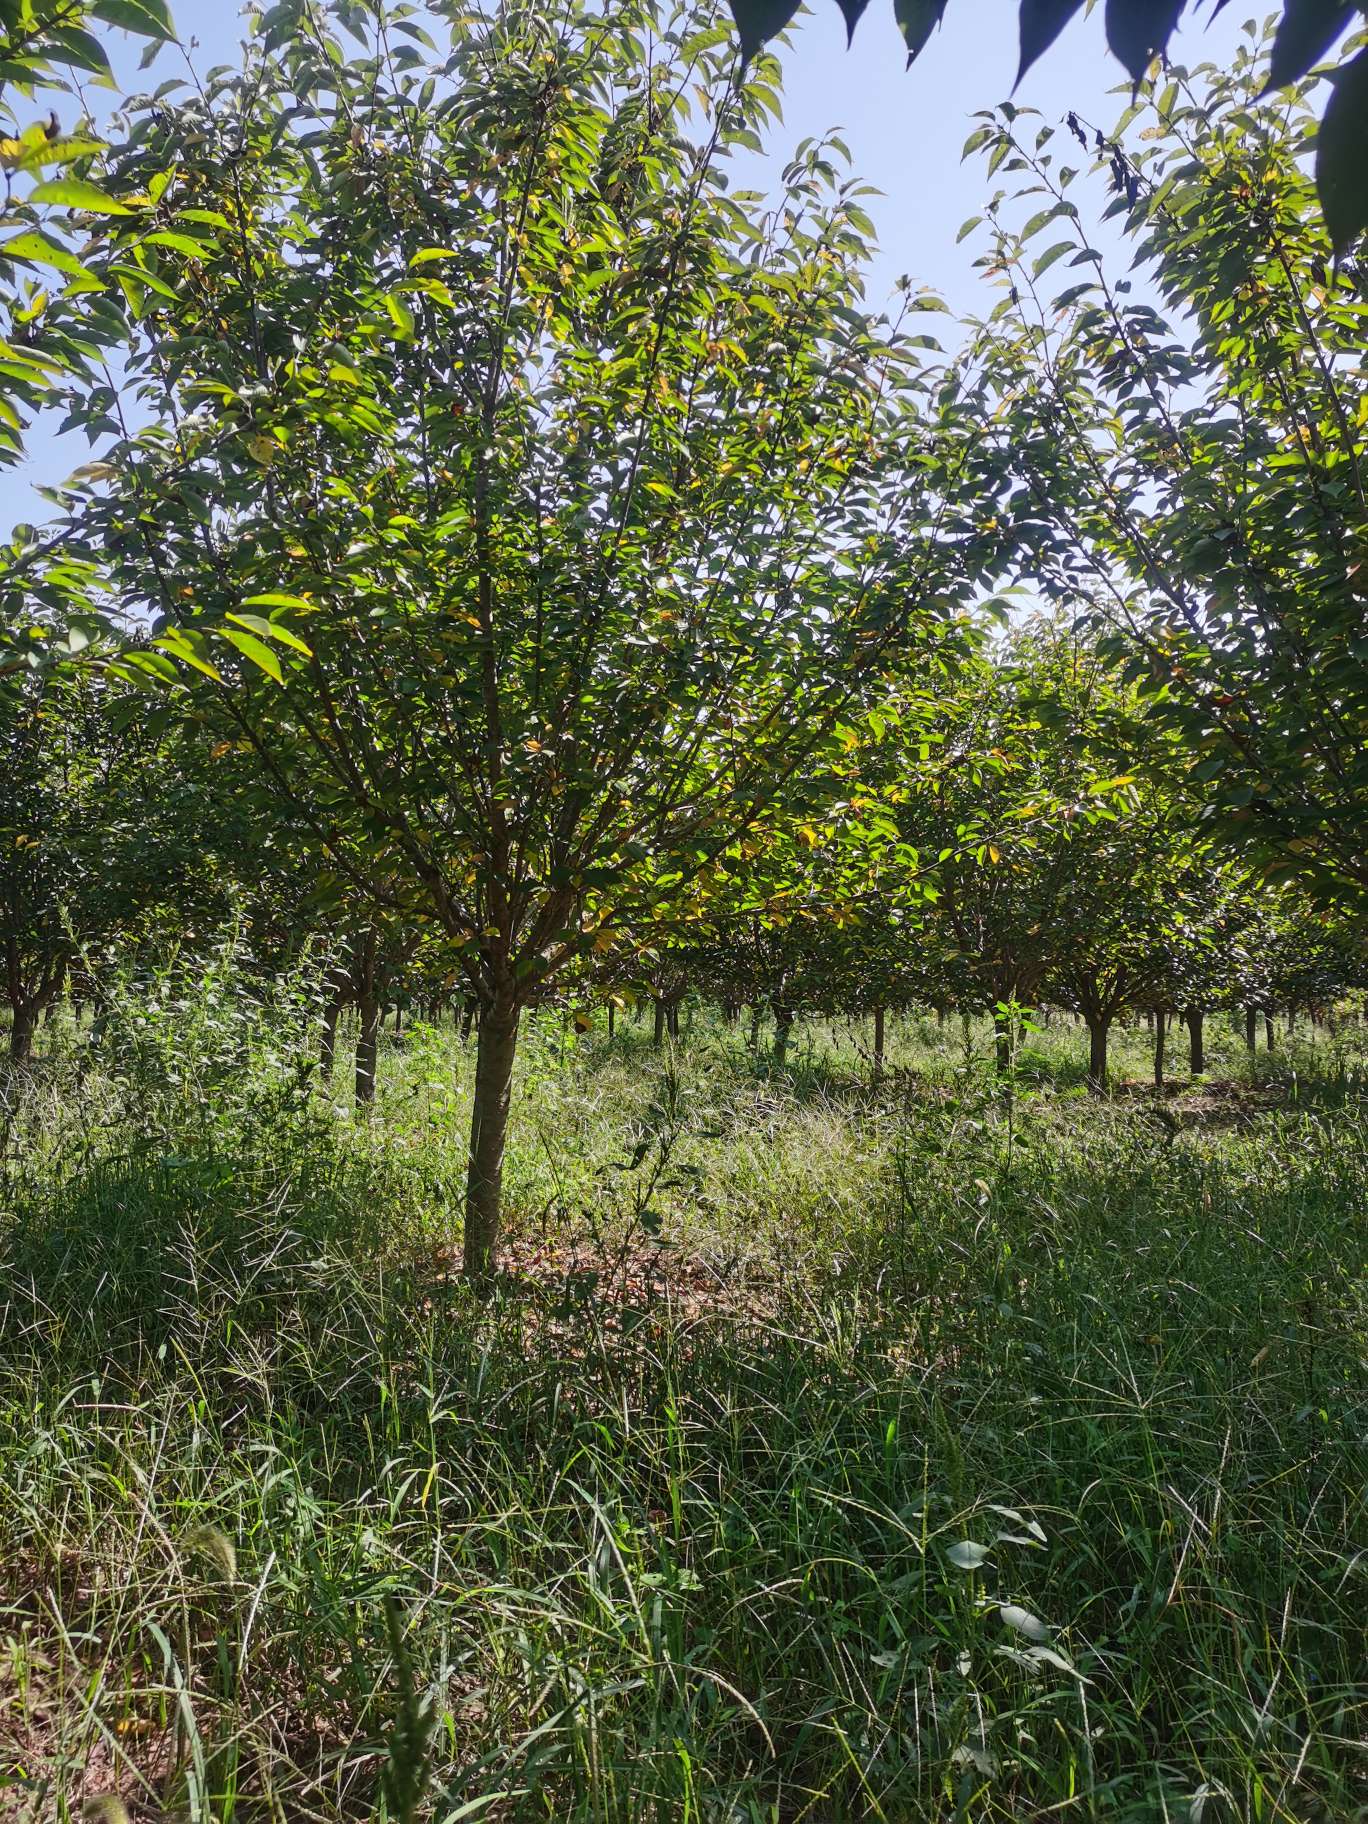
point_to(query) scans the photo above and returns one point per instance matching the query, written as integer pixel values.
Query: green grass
(292, 1527)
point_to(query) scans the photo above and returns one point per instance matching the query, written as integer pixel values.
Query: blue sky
(904, 129)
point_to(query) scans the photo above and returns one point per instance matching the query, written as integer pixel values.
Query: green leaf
(44, 252)
(271, 630)
(76, 193)
(917, 19)
(177, 644)
(1342, 155)
(968, 1555)
(759, 20)
(1138, 30)
(148, 18)
(256, 650)
(1041, 23)
(850, 12)
(76, 49)
(275, 600)
(181, 243)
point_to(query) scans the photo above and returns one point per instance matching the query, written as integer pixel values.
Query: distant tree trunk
(612, 1019)
(367, 1048)
(1269, 1035)
(1196, 1051)
(940, 1015)
(1149, 1018)
(1160, 1021)
(661, 1022)
(878, 1043)
(467, 1021)
(1098, 1028)
(757, 1014)
(1291, 1021)
(1251, 1030)
(494, 1055)
(398, 1021)
(672, 1019)
(783, 1030)
(730, 1013)
(327, 1041)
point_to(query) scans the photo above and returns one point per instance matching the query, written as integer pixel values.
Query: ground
(827, 1451)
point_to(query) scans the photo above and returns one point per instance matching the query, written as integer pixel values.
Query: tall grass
(831, 1455)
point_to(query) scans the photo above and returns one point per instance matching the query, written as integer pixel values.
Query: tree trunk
(658, 1037)
(21, 1035)
(1160, 1020)
(1268, 1031)
(612, 1019)
(367, 1049)
(783, 1030)
(494, 1054)
(1196, 1051)
(753, 1042)
(1251, 1031)
(672, 1019)
(467, 1021)
(1097, 1055)
(1291, 1021)
(878, 1043)
(327, 1041)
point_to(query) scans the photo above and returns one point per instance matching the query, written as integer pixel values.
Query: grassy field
(828, 1453)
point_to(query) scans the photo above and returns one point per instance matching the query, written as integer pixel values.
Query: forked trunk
(494, 1054)
(1196, 1050)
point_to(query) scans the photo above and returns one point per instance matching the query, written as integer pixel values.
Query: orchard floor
(825, 1453)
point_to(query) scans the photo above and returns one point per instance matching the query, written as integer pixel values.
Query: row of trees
(541, 566)
(970, 857)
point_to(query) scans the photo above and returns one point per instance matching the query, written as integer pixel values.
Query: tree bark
(494, 1054)
(1097, 1055)
(1268, 1031)
(612, 1019)
(1196, 1050)
(757, 1014)
(783, 1030)
(672, 1019)
(1160, 1034)
(367, 1049)
(1251, 1030)
(661, 1020)
(21, 1035)
(878, 1043)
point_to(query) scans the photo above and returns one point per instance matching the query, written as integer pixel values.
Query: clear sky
(904, 129)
